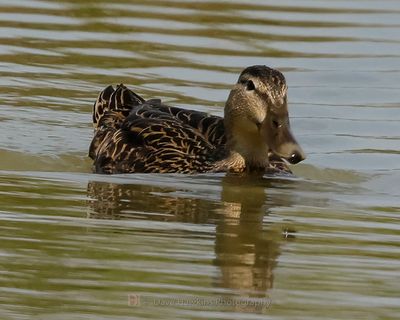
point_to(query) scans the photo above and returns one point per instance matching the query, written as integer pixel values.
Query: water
(322, 245)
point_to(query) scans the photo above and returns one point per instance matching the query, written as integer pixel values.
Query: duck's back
(134, 135)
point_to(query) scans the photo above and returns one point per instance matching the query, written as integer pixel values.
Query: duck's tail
(109, 112)
(110, 99)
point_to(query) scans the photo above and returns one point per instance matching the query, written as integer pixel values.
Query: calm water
(323, 245)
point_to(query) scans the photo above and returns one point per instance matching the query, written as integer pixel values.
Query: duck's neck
(247, 149)
(244, 155)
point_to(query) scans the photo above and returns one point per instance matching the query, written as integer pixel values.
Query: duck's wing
(209, 126)
(151, 140)
(122, 100)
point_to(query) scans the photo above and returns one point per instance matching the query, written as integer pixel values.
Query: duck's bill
(288, 152)
(285, 146)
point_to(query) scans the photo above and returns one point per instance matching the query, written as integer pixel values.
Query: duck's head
(257, 119)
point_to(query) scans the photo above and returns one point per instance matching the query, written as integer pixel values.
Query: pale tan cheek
(256, 112)
(246, 127)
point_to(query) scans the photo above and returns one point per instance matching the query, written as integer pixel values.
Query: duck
(134, 135)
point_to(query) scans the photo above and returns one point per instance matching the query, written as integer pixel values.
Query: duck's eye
(276, 124)
(250, 85)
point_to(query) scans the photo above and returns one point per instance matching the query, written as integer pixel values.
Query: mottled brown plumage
(135, 135)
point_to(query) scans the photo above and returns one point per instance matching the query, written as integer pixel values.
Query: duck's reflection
(129, 201)
(246, 247)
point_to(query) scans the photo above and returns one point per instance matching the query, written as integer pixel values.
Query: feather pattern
(134, 135)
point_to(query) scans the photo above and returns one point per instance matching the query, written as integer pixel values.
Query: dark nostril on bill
(295, 158)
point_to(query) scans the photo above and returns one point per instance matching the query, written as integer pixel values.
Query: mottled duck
(137, 135)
